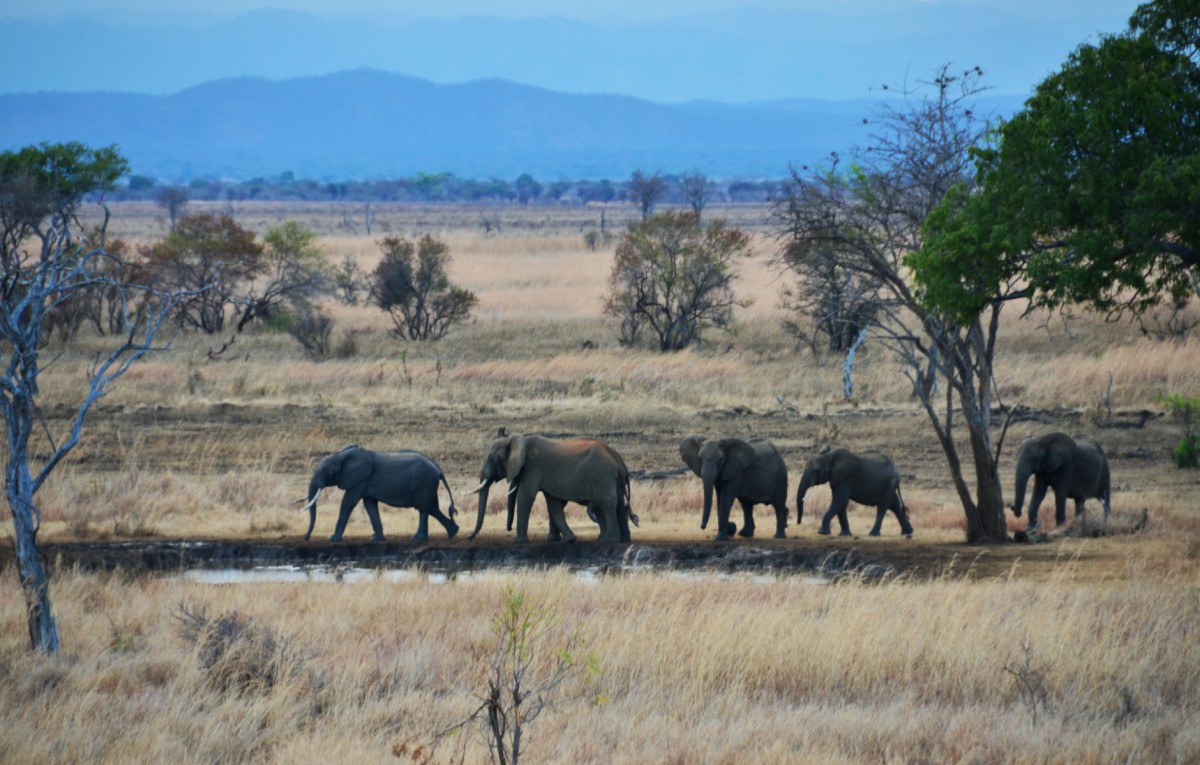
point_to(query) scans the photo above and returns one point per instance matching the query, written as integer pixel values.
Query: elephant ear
(357, 466)
(842, 465)
(739, 456)
(689, 450)
(517, 449)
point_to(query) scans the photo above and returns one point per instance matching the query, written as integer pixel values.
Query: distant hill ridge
(365, 124)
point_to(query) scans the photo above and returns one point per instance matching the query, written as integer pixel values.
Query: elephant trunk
(709, 477)
(806, 483)
(1023, 472)
(483, 500)
(314, 492)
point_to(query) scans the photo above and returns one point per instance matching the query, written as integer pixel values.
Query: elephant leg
(725, 529)
(558, 519)
(901, 513)
(747, 518)
(435, 512)
(349, 500)
(610, 528)
(1035, 500)
(1060, 506)
(372, 506)
(781, 514)
(841, 498)
(555, 534)
(880, 511)
(623, 524)
(525, 499)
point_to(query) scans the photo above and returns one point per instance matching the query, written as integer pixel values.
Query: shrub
(1186, 453)
(411, 284)
(672, 278)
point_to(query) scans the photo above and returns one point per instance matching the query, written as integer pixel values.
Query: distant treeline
(446, 187)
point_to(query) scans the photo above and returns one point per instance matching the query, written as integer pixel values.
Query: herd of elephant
(589, 472)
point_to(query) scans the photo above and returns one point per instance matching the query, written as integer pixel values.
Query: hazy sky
(584, 9)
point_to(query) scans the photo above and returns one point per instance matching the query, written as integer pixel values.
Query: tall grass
(692, 671)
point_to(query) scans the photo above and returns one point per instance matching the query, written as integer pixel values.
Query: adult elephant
(868, 478)
(624, 505)
(583, 470)
(403, 478)
(1073, 467)
(750, 471)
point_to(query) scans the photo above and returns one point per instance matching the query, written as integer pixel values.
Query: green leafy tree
(1092, 193)
(46, 260)
(672, 278)
(412, 285)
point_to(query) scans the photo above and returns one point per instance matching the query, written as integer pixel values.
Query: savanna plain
(1080, 649)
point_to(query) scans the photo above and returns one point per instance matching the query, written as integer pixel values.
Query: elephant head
(828, 466)
(715, 461)
(350, 466)
(504, 460)
(1044, 456)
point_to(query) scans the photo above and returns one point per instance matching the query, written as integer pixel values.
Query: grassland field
(934, 665)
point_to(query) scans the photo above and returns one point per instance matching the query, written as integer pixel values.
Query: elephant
(750, 471)
(583, 470)
(624, 507)
(404, 478)
(868, 478)
(1073, 467)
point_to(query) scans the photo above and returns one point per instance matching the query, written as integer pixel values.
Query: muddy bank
(179, 555)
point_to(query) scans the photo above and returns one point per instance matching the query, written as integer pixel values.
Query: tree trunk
(43, 631)
(31, 569)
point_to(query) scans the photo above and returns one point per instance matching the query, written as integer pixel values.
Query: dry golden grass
(717, 669)
(692, 670)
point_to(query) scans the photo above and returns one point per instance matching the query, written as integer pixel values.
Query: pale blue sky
(583, 9)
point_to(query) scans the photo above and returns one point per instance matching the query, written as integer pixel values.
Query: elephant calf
(869, 478)
(401, 479)
(750, 471)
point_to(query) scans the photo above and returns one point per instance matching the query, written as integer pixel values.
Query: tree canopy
(1091, 194)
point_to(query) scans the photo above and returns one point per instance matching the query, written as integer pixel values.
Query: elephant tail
(453, 510)
(629, 503)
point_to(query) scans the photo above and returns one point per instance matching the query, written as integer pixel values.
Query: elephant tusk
(313, 502)
(478, 488)
(513, 490)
